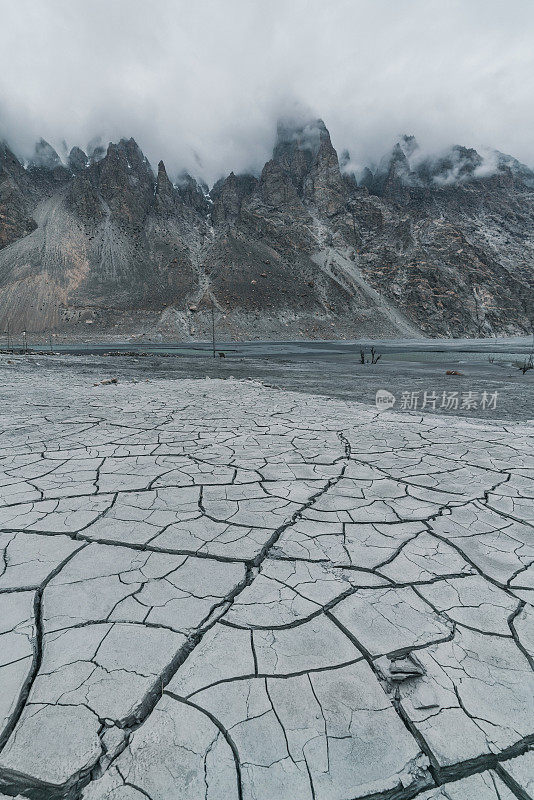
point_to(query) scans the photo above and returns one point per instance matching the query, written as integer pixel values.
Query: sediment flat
(213, 588)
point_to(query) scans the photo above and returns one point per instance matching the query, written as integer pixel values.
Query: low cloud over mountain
(202, 85)
(416, 244)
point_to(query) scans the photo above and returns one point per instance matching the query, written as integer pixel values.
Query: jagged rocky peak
(519, 171)
(15, 190)
(409, 145)
(126, 181)
(394, 169)
(185, 191)
(228, 195)
(126, 161)
(366, 177)
(192, 193)
(354, 175)
(165, 196)
(5, 152)
(305, 151)
(297, 147)
(406, 167)
(457, 165)
(8, 160)
(77, 160)
(398, 168)
(95, 150)
(44, 156)
(294, 135)
(164, 187)
(128, 156)
(396, 163)
(454, 166)
(13, 176)
(344, 160)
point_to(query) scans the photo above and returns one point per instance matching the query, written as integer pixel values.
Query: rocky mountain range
(311, 247)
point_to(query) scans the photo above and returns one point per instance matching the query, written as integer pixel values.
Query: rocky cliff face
(441, 246)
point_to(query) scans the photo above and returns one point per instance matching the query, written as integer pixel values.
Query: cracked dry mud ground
(213, 590)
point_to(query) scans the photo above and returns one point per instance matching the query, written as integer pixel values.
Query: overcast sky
(200, 83)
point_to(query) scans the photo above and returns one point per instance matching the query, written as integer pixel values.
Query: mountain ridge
(419, 246)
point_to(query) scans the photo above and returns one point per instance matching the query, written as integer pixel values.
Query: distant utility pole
(212, 327)
(8, 337)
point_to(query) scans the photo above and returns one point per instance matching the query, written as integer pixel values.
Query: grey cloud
(202, 84)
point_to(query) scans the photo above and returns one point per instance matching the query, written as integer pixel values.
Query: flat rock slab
(212, 589)
(519, 774)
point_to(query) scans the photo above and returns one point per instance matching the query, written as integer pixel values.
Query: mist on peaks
(203, 85)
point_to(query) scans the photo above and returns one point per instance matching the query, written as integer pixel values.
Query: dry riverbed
(218, 589)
